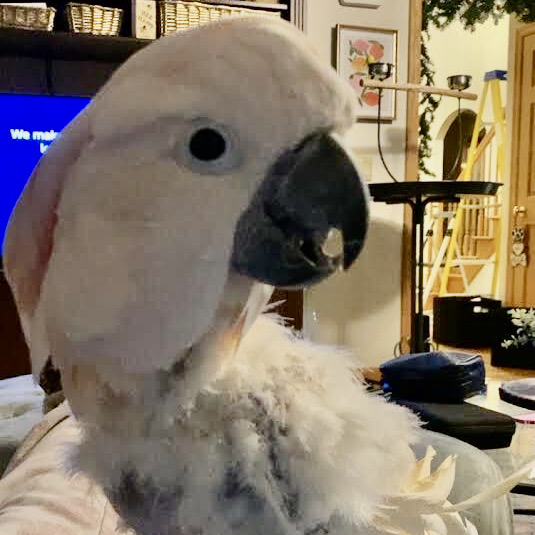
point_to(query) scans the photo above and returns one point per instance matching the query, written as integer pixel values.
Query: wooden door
(291, 306)
(520, 288)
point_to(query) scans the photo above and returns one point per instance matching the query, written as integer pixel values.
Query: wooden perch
(419, 89)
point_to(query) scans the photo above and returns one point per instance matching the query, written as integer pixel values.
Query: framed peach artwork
(356, 48)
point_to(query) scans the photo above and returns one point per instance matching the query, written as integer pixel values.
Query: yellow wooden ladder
(491, 85)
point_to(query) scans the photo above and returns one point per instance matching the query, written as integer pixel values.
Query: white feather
(343, 452)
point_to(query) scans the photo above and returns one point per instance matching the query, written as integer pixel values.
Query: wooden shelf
(85, 47)
(248, 4)
(68, 46)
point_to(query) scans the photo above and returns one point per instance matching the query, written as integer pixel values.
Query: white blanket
(38, 497)
(21, 402)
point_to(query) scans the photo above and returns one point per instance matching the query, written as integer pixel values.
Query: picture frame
(367, 4)
(356, 47)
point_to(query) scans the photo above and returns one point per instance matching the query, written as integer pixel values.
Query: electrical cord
(379, 136)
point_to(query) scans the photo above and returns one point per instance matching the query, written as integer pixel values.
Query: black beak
(311, 190)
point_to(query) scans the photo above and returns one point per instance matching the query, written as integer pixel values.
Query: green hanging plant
(440, 13)
(428, 105)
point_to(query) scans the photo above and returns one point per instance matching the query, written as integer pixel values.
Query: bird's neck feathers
(167, 394)
(287, 413)
(207, 359)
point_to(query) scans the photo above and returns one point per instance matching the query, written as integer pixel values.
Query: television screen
(28, 125)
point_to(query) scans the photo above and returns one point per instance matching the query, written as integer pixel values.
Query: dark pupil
(207, 145)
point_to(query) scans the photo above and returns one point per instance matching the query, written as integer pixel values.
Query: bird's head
(213, 151)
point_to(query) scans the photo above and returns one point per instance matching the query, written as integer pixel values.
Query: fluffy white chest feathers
(291, 443)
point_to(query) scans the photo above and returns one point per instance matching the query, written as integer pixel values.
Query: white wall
(361, 308)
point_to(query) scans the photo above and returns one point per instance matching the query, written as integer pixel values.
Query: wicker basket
(176, 15)
(27, 18)
(96, 20)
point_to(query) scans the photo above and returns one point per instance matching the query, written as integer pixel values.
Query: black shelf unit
(68, 46)
(60, 63)
(63, 63)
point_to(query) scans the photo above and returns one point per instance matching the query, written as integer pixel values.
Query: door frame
(411, 161)
(515, 87)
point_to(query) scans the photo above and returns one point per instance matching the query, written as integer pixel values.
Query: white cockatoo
(210, 168)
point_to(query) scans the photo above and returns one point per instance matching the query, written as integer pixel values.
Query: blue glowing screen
(28, 124)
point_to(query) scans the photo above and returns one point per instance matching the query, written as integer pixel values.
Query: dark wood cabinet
(291, 307)
(14, 354)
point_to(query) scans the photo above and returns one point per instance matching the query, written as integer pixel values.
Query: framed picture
(356, 48)
(367, 4)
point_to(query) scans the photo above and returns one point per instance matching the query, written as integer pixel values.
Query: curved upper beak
(280, 239)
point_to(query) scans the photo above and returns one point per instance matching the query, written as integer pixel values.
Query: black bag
(475, 425)
(437, 376)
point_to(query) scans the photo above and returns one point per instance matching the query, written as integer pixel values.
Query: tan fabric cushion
(38, 497)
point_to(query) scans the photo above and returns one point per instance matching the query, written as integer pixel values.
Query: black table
(418, 195)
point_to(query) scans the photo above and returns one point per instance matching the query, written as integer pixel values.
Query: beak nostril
(333, 245)
(323, 250)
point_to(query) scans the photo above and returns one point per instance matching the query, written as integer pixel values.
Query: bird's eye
(207, 144)
(208, 148)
